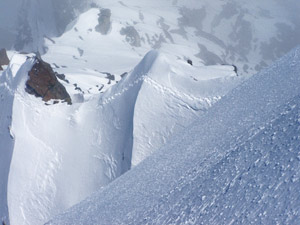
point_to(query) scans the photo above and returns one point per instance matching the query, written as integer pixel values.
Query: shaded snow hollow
(239, 163)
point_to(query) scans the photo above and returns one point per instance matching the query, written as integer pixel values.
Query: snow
(61, 154)
(206, 32)
(8, 82)
(178, 93)
(237, 164)
(210, 32)
(124, 109)
(7, 144)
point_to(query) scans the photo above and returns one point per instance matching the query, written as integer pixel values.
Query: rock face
(43, 83)
(104, 21)
(3, 58)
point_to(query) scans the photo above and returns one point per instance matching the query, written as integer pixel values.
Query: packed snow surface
(238, 163)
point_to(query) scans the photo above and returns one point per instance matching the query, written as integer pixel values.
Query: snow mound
(238, 164)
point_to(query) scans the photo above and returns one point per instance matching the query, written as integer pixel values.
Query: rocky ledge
(43, 83)
(3, 58)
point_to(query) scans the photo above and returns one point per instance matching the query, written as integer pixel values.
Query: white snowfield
(54, 156)
(239, 163)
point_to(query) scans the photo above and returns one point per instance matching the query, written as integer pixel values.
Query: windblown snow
(237, 164)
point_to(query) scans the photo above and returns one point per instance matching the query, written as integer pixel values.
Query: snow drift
(239, 163)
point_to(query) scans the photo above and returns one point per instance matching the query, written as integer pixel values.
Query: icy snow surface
(238, 164)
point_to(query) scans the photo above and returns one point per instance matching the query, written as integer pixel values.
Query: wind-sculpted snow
(179, 98)
(237, 164)
(60, 154)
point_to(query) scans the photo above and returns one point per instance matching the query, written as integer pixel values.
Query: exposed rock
(124, 74)
(192, 17)
(109, 76)
(62, 77)
(132, 36)
(80, 51)
(43, 83)
(104, 21)
(235, 69)
(190, 62)
(209, 58)
(3, 58)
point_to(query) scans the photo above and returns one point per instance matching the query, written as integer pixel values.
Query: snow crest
(239, 163)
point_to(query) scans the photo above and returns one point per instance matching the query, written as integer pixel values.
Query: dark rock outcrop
(62, 77)
(3, 58)
(43, 83)
(104, 21)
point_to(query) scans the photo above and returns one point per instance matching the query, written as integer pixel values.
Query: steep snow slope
(239, 163)
(176, 93)
(62, 153)
(8, 83)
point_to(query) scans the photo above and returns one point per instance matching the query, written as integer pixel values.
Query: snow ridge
(183, 97)
(246, 145)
